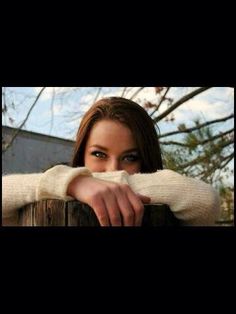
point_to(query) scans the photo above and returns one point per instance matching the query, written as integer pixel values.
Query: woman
(116, 169)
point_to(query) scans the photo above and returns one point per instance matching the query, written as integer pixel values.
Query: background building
(33, 152)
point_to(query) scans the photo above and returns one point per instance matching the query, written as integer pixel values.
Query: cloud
(199, 108)
(213, 104)
(50, 91)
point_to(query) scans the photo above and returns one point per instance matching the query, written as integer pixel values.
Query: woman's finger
(144, 199)
(113, 209)
(138, 206)
(125, 207)
(100, 210)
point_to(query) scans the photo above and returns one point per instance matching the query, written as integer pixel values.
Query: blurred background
(195, 127)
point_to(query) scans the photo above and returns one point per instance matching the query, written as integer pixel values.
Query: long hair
(134, 117)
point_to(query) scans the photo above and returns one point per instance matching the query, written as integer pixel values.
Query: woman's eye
(131, 158)
(98, 154)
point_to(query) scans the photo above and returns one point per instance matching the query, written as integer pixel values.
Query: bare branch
(162, 99)
(200, 142)
(228, 159)
(198, 127)
(136, 93)
(123, 92)
(215, 137)
(23, 123)
(227, 143)
(193, 162)
(174, 143)
(180, 102)
(97, 95)
(201, 158)
(222, 166)
(4, 99)
(51, 107)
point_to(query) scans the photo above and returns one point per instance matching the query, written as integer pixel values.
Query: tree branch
(123, 92)
(213, 169)
(227, 143)
(174, 143)
(162, 99)
(215, 137)
(197, 127)
(136, 93)
(23, 123)
(193, 162)
(202, 158)
(51, 108)
(180, 102)
(98, 93)
(229, 158)
(200, 142)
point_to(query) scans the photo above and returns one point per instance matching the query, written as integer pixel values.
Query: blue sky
(212, 104)
(70, 103)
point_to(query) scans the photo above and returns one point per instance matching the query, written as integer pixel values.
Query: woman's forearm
(19, 190)
(192, 201)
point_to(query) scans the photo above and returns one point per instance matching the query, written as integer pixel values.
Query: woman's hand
(114, 204)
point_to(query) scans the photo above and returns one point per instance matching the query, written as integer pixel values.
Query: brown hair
(132, 115)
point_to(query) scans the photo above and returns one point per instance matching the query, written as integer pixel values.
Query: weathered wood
(60, 213)
(25, 215)
(159, 215)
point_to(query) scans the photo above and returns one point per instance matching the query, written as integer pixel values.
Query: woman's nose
(113, 165)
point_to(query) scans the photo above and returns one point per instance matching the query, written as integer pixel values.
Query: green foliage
(191, 141)
(227, 204)
(202, 156)
(182, 127)
(205, 158)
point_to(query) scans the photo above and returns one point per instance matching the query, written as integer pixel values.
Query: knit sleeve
(192, 201)
(54, 182)
(19, 190)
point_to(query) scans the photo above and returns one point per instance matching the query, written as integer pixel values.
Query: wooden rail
(74, 213)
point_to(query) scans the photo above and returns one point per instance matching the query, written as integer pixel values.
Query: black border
(105, 66)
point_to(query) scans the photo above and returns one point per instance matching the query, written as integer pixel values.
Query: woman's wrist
(55, 181)
(75, 183)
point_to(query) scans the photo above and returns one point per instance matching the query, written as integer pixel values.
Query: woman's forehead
(110, 133)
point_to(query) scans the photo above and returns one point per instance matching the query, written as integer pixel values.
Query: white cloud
(213, 104)
(50, 91)
(200, 108)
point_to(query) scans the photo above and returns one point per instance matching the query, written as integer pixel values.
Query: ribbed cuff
(113, 176)
(54, 182)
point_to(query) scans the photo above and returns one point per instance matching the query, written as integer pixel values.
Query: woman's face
(111, 147)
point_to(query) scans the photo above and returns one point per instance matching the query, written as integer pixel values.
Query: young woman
(116, 169)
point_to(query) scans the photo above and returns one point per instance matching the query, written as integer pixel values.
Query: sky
(68, 105)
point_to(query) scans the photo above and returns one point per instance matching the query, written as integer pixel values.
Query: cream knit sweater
(191, 200)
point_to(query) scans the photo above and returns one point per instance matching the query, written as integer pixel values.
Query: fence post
(74, 213)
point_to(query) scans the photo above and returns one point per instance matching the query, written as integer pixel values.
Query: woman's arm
(19, 190)
(113, 202)
(192, 201)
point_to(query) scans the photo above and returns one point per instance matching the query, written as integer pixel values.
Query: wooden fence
(74, 213)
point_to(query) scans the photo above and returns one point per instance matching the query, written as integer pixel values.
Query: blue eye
(98, 154)
(131, 158)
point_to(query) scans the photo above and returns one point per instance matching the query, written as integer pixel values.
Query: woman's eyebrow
(130, 150)
(135, 149)
(99, 146)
